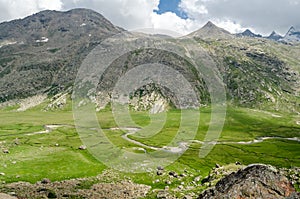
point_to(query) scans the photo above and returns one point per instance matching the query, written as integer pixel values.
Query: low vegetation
(56, 155)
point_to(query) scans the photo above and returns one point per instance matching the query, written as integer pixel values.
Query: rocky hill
(41, 54)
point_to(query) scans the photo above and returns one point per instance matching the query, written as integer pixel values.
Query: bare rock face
(255, 181)
(44, 51)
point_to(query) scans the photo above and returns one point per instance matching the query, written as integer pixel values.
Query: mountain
(274, 36)
(248, 33)
(210, 30)
(293, 35)
(41, 54)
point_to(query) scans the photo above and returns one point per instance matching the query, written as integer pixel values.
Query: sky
(182, 16)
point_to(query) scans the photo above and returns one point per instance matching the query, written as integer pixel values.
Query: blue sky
(171, 6)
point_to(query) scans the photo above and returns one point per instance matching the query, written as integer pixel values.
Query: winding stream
(182, 146)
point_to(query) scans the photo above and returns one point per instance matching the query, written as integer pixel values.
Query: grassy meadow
(56, 156)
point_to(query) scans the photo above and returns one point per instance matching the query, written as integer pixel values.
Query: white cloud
(136, 14)
(195, 9)
(14, 9)
(229, 26)
(129, 14)
(49, 4)
(170, 21)
(232, 15)
(257, 15)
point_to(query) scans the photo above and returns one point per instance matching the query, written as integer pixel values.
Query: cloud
(232, 15)
(260, 16)
(129, 14)
(195, 9)
(170, 21)
(136, 14)
(14, 9)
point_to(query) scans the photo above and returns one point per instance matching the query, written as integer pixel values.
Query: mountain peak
(292, 29)
(293, 35)
(248, 33)
(210, 30)
(57, 25)
(210, 24)
(274, 36)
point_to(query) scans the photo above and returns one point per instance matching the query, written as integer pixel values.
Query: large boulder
(254, 181)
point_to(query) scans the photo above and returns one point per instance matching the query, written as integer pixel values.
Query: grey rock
(238, 163)
(162, 194)
(5, 151)
(45, 181)
(159, 172)
(82, 147)
(180, 187)
(197, 179)
(168, 182)
(173, 174)
(255, 181)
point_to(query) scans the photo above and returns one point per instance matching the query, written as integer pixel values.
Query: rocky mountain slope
(41, 54)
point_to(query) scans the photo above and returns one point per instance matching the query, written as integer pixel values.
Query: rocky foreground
(255, 181)
(230, 181)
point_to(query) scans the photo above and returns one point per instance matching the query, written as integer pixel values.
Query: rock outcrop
(254, 181)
